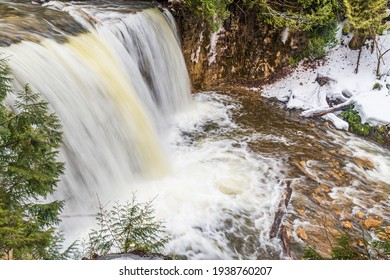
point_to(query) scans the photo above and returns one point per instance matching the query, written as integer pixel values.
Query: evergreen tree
(30, 137)
(213, 12)
(365, 18)
(303, 15)
(126, 228)
(317, 18)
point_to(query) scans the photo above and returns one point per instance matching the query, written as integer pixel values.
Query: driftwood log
(285, 241)
(321, 112)
(284, 201)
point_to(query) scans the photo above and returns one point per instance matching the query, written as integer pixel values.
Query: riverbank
(330, 89)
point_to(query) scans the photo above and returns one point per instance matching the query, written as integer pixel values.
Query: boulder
(371, 223)
(360, 215)
(365, 163)
(347, 225)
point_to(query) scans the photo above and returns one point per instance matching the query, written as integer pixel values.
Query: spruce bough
(30, 138)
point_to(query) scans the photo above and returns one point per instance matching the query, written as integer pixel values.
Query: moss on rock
(379, 134)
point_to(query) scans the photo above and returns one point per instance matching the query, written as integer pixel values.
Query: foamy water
(219, 199)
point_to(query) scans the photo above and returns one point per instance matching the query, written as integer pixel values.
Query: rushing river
(215, 164)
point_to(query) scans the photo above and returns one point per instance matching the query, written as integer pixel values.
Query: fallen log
(324, 111)
(285, 241)
(321, 112)
(284, 201)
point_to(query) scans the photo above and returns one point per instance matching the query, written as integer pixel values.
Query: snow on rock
(213, 45)
(284, 35)
(195, 56)
(302, 90)
(373, 107)
(337, 122)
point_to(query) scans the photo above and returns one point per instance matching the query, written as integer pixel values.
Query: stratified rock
(317, 190)
(301, 233)
(284, 201)
(348, 216)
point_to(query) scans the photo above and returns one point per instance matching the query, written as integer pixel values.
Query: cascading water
(114, 87)
(115, 76)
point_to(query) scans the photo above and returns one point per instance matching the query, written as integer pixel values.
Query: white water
(218, 202)
(377, 180)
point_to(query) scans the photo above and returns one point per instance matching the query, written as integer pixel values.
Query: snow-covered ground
(300, 90)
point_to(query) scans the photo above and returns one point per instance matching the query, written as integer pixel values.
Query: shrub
(346, 248)
(126, 228)
(355, 122)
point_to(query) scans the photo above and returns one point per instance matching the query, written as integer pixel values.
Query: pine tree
(365, 18)
(30, 137)
(126, 228)
(214, 12)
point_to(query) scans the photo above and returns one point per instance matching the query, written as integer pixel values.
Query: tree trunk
(358, 61)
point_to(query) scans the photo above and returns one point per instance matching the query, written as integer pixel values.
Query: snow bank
(300, 90)
(373, 108)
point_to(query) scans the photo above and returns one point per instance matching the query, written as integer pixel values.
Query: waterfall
(115, 86)
(115, 76)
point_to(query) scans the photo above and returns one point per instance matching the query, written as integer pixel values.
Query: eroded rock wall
(243, 49)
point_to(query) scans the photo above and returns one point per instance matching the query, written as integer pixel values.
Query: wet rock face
(243, 49)
(25, 21)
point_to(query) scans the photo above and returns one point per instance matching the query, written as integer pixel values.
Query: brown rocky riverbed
(336, 185)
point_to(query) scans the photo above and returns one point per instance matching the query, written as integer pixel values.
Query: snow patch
(195, 56)
(300, 90)
(373, 107)
(284, 35)
(213, 45)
